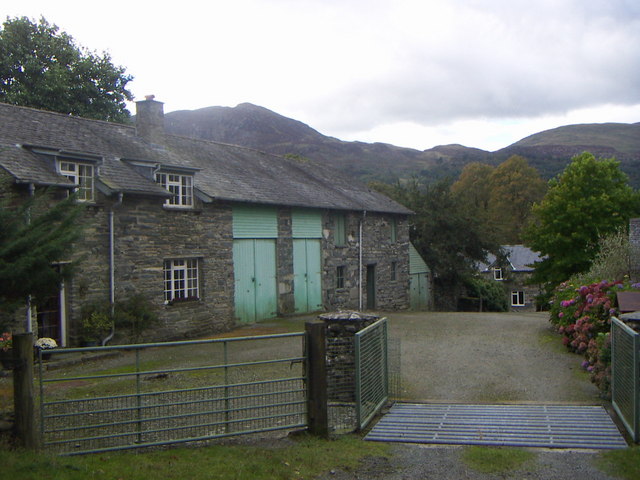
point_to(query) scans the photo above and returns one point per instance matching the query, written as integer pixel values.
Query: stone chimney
(150, 119)
(634, 249)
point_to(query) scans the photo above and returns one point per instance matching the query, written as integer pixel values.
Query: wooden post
(317, 399)
(23, 400)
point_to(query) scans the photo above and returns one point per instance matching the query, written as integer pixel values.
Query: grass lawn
(302, 458)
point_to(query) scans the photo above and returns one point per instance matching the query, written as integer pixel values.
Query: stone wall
(145, 234)
(286, 301)
(378, 250)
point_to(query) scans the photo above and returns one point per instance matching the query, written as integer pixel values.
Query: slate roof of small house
(223, 172)
(520, 258)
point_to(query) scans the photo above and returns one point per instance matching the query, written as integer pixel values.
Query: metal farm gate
(625, 376)
(372, 371)
(167, 393)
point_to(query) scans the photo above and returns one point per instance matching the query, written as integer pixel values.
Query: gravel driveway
(483, 358)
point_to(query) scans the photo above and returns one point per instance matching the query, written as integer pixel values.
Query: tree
(515, 187)
(445, 233)
(501, 197)
(43, 68)
(590, 199)
(33, 237)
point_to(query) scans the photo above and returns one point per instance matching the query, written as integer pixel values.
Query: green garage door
(254, 262)
(307, 265)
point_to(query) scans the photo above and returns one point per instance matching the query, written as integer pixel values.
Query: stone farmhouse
(212, 235)
(514, 272)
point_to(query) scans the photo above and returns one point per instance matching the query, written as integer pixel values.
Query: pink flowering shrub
(583, 316)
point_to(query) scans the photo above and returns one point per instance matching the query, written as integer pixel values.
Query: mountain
(257, 127)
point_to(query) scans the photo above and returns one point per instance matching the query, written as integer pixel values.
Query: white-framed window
(181, 279)
(181, 186)
(517, 299)
(497, 274)
(81, 174)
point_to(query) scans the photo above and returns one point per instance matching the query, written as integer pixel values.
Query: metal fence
(372, 374)
(625, 376)
(156, 394)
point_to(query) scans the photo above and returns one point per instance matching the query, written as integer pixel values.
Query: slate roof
(520, 258)
(222, 171)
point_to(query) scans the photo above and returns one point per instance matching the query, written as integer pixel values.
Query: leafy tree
(590, 199)
(43, 68)
(447, 236)
(515, 187)
(32, 238)
(500, 197)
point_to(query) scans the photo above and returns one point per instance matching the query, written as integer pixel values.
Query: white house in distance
(514, 272)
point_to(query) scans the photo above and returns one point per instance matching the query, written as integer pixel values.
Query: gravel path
(483, 358)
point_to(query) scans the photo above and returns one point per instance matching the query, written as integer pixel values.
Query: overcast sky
(414, 73)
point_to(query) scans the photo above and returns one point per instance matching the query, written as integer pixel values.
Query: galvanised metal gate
(625, 376)
(372, 371)
(167, 393)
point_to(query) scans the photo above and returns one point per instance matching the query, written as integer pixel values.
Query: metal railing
(372, 373)
(175, 392)
(625, 376)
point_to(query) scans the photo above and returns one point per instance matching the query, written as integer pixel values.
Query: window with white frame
(497, 274)
(82, 175)
(181, 186)
(517, 299)
(181, 280)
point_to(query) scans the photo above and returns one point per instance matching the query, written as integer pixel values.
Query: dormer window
(180, 185)
(82, 174)
(497, 274)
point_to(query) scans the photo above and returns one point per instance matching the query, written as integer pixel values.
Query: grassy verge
(621, 463)
(303, 458)
(495, 460)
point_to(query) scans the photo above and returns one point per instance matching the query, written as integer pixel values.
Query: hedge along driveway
(460, 357)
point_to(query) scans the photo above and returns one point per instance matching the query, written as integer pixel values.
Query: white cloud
(409, 72)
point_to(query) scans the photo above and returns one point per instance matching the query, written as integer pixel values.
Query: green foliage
(611, 261)
(447, 235)
(34, 236)
(491, 293)
(495, 460)
(501, 197)
(582, 314)
(135, 315)
(624, 463)
(306, 457)
(589, 199)
(96, 326)
(43, 68)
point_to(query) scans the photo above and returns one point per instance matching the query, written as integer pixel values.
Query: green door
(307, 277)
(254, 262)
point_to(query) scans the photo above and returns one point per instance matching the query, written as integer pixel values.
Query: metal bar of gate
(372, 371)
(625, 376)
(149, 418)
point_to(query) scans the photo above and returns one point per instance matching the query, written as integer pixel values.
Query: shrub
(492, 294)
(135, 315)
(582, 314)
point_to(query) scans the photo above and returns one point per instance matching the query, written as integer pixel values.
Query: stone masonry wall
(378, 250)
(284, 249)
(146, 234)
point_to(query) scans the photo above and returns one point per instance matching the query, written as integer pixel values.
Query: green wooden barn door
(254, 261)
(307, 276)
(307, 264)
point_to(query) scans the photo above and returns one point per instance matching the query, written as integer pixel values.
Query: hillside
(262, 129)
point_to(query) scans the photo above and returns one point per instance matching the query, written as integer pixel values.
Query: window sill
(178, 208)
(181, 301)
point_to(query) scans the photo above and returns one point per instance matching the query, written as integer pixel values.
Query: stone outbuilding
(210, 234)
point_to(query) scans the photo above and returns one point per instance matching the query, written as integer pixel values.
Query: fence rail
(227, 387)
(625, 376)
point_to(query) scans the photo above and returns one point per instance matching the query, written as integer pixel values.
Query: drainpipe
(32, 192)
(360, 241)
(112, 282)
